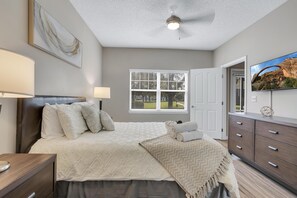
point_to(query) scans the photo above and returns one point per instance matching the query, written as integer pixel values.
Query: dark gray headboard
(29, 117)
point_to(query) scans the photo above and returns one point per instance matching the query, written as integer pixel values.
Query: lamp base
(4, 165)
(100, 105)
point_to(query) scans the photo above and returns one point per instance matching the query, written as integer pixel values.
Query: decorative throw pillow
(50, 126)
(92, 117)
(71, 120)
(106, 121)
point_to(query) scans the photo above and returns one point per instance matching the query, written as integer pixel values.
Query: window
(158, 91)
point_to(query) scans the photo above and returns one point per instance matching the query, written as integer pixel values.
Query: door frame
(226, 97)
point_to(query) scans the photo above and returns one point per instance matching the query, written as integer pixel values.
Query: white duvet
(112, 155)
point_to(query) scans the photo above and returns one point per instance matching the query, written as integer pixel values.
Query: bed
(147, 179)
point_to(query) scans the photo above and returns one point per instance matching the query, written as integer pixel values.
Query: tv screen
(276, 74)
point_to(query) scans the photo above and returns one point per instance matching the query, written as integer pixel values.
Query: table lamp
(101, 93)
(16, 80)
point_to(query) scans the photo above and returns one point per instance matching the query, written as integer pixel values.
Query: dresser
(29, 175)
(268, 144)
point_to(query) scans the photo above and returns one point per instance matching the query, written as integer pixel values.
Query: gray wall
(53, 76)
(271, 37)
(118, 61)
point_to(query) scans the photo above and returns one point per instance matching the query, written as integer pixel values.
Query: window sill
(158, 112)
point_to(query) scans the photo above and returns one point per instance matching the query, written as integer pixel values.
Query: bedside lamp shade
(16, 81)
(102, 92)
(16, 75)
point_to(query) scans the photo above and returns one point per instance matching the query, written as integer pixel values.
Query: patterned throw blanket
(196, 166)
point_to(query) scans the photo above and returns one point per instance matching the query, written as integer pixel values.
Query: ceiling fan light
(173, 25)
(173, 22)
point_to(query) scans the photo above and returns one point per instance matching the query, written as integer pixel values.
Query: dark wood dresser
(268, 144)
(29, 175)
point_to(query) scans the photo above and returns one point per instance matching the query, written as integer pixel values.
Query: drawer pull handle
(239, 147)
(273, 132)
(239, 123)
(273, 165)
(273, 148)
(32, 195)
(238, 134)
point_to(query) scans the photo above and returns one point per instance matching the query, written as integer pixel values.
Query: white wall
(53, 76)
(118, 61)
(271, 37)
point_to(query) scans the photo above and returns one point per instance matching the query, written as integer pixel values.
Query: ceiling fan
(175, 23)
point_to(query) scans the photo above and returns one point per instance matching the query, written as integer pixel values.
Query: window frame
(158, 92)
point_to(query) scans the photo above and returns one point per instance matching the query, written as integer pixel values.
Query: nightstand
(29, 175)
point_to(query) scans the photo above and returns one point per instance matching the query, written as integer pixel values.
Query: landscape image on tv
(278, 73)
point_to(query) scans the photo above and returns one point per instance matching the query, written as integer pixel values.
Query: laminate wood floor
(254, 184)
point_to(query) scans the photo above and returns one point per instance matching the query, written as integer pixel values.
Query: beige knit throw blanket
(196, 165)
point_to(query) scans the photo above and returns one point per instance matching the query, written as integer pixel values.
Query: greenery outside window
(158, 91)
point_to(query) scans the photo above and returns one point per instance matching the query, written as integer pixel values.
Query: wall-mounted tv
(276, 74)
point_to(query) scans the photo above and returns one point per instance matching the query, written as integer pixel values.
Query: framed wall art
(47, 34)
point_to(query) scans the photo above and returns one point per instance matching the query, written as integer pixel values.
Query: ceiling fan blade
(182, 34)
(157, 31)
(207, 18)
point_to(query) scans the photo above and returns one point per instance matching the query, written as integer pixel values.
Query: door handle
(239, 123)
(192, 106)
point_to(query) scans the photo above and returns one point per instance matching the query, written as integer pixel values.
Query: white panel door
(206, 100)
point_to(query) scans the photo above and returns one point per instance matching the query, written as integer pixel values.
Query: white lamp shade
(102, 92)
(16, 75)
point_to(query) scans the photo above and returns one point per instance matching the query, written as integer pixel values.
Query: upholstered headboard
(29, 117)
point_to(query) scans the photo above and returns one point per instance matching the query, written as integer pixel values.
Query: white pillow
(72, 121)
(50, 126)
(92, 117)
(82, 103)
(106, 121)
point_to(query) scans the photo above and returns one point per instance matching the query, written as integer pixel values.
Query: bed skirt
(127, 189)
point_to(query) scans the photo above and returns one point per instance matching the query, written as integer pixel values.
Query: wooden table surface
(22, 167)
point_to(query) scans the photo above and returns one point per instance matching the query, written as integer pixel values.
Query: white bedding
(112, 155)
(107, 155)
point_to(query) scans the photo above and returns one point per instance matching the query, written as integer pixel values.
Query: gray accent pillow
(92, 117)
(106, 121)
(71, 120)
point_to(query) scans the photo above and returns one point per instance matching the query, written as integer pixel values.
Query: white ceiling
(141, 23)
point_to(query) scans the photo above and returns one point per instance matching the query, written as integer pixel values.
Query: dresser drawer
(277, 132)
(241, 136)
(286, 171)
(277, 149)
(40, 185)
(242, 150)
(237, 123)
